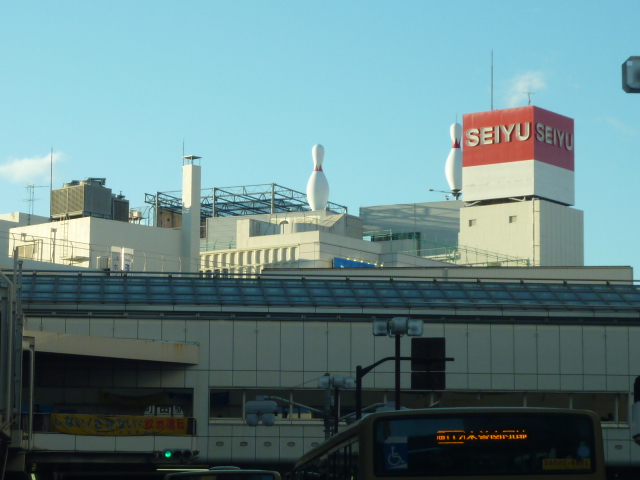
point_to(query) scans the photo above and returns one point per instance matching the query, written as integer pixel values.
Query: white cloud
(29, 169)
(623, 128)
(532, 82)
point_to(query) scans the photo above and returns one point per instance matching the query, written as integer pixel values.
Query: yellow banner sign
(126, 425)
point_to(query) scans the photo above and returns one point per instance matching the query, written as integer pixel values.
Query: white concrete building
(545, 233)
(110, 347)
(271, 302)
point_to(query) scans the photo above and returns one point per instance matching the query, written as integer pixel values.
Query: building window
(513, 219)
(611, 407)
(472, 222)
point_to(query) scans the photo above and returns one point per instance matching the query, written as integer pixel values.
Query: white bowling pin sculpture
(453, 167)
(318, 187)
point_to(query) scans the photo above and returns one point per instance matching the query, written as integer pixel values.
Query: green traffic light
(168, 454)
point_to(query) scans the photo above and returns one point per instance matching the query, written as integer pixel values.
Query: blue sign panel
(396, 456)
(344, 263)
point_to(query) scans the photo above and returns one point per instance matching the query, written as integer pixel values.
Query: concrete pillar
(190, 235)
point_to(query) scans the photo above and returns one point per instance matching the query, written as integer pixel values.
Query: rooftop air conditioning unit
(103, 262)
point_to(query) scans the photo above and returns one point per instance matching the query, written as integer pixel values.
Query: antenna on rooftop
(51, 174)
(491, 80)
(528, 94)
(446, 194)
(31, 192)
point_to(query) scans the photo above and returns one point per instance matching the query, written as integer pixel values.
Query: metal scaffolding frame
(238, 201)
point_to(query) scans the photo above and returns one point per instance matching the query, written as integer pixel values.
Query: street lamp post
(397, 327)
(337, 382)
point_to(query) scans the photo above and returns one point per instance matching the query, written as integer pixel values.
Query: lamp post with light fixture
(397, 327)
(337, 382)
(264, 408)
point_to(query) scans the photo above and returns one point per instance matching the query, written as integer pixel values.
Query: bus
(224, 473)
(456, 443)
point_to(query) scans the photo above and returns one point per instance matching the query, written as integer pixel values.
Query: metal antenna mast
(491, 79)
(31, 192)
(528, 94)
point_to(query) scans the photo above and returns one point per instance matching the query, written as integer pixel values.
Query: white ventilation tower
(190, 234)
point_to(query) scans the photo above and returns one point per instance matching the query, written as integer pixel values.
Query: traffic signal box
(428, 363)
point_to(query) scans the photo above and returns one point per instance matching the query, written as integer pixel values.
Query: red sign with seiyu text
(515, 134)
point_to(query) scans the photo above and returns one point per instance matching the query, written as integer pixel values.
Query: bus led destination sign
(566, 464)
(462, 436)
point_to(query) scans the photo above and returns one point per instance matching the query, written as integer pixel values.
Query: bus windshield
(484, 444)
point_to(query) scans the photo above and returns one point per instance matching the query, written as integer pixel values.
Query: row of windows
(250, 257)
(293, 404)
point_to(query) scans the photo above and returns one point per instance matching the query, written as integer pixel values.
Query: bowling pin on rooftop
(318, 187)
(453, 167)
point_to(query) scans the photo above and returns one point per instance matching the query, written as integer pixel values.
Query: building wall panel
(338, 341)
(220, 378)
(385, 346)
(479, 381)
(291, 346)
(479, 348)
(77, 326)
(269, 379)
(594, 350)
(595, 383)
(125, 328)
(573, 382)
(221, 345)
(268, 346)
(548, 382)
(457, 338)
(101, 327)
(548, 341)
(502, 381)
(560, 234)
(315, 346)
(173, 378)
(502, 350)
(634, 352)
(244, 378)
(149, 329)
(197, 332)
(362, 346)
(571, 350)
(244, 346)
(149, 378)
(200, 382)
(617, 350)
(174, 330)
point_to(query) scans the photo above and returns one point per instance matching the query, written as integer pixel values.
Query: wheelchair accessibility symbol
(396, 456)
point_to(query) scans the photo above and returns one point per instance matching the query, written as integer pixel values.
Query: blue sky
(116, 87)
